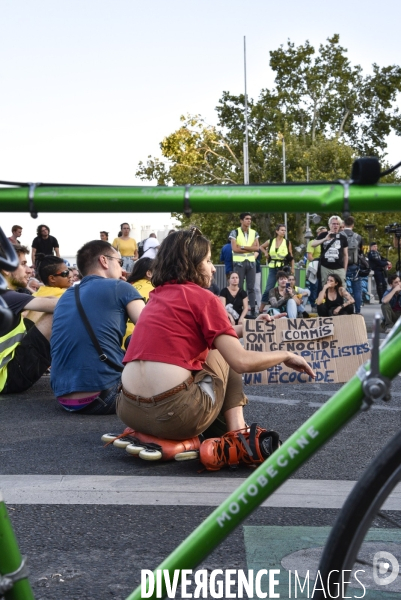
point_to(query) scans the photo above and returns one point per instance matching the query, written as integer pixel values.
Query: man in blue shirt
(81, 381)
(226, 256)
(391, 302)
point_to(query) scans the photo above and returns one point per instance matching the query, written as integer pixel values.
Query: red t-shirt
(178, 326)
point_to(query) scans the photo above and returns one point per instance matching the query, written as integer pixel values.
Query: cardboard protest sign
(333, 346)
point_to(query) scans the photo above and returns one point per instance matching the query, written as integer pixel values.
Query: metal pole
(284, 181)
(308, 233)
(246, 154)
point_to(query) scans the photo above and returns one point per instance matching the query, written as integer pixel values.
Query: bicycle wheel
(350, 546)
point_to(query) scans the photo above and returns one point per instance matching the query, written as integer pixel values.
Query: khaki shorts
(188, 412)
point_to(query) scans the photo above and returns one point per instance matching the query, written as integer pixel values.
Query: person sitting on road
(234, 300)
(24, 355)
(334, 299)
(83, 377)
(55, 275)
(303, 295)
(283, 298)
(391, 302)
(184, 363)
(140, 278)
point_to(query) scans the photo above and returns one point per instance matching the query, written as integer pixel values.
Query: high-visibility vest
(241, 241)
(8, 345)
(278, 255)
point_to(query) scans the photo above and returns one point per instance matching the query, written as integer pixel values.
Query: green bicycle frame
(328, 420)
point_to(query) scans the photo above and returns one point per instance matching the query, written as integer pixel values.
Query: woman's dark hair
(48, 265)
(39, 227)
(179, 258)
(140, 269)
(336, 278)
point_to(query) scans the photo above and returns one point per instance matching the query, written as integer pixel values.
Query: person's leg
(352, 276)
(322, 310)
(390, 317)
(250, 271)
(380, 283)
(239, 269)
(347, 310)
(271, 282)
(30, 361)
(44, 325)
(258, 291)
(291, 309)
(324, 273)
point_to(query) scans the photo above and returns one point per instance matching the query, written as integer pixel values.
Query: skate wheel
(150, 454)
(122, 442)
(134, 448)
(188, 455)
(109, 437)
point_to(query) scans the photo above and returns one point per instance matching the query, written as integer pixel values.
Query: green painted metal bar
(315, 432)
(10, 557)
(325, 197)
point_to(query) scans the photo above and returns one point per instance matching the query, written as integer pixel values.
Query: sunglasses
(62, 274)
(194, 231)
(120, 260)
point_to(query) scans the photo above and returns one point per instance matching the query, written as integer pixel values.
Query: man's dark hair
(17, 247)
(89, 253)
(243, 215)
(179, 258)
(391, 278)
(15, 227)
(140, 269)
(372, 244)
(281, 274)
(39, 227)
(349, 221)
(48, 265)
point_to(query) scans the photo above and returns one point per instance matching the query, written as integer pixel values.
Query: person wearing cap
(380, 266)
(312, 266)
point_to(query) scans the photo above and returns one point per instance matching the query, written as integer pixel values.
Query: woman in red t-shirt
(184, 363)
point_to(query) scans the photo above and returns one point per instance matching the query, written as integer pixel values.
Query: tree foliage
(325, 110)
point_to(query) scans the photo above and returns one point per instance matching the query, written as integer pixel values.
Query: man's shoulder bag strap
(102, 355)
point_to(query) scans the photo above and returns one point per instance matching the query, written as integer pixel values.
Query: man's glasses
(62, 274)
(120, 260)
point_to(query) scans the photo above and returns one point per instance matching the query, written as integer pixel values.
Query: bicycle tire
(357, 515)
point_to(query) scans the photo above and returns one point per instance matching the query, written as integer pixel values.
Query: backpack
(141, 249)
(353, 247)
(364, 267)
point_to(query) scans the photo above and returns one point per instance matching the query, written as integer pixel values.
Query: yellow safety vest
(241, 241)
(8, 344)
(277, 255)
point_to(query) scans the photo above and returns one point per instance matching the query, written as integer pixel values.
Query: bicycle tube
(296, 197)
(356, 517)
(10, 558)
(327, 421)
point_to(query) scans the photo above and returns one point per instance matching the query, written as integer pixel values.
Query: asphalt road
(96, 551)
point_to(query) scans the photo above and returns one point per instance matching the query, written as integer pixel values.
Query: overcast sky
(90, 87)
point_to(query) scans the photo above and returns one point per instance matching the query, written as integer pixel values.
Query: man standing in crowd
(150, 247)
(379, 266)
(313, 255)
(44, 243)
(24, 356)
(354, 249)
(226, 256)
(334, 251)
(84, 379)
(279, 254)
(391, 302)
(16, 231)
(244, 244)
(104, 236)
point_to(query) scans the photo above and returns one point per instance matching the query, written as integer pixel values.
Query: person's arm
(322, 296)
(317, 242)
(33, 255)
(134, 309)
(273, 299)
(57, 251)
(246, 361)
(222, 300)
(245, 304)
(254, 247)
(348, 300)
(386, 299)
(310, 256)
(136, 255)
(345, 259)
(292, 262)
(43, 304)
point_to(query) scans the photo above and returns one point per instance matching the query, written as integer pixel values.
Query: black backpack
(141, 249)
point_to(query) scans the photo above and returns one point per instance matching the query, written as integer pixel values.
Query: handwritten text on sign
(333, 346)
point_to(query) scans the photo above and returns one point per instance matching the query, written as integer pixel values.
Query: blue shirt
(76, 366)
(395, 301)
(226, 255)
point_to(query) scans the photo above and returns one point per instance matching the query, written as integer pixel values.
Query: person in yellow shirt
(55, 275)
(127, 247)
(140, 279)
(312, 280)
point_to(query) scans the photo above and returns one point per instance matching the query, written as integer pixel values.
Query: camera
(393, 228)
